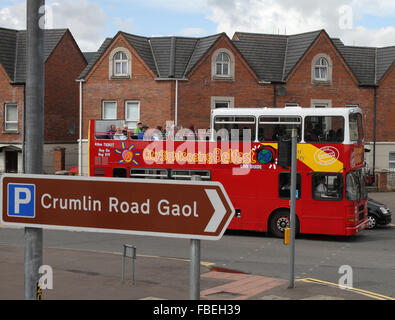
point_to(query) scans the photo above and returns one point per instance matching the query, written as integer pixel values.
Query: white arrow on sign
(219, 210)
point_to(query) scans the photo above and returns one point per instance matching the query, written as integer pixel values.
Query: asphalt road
(370, 253)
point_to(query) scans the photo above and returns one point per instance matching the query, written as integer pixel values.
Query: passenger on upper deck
(118, 135)
(111, 132)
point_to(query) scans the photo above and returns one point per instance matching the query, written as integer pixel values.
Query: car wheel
(372, 222)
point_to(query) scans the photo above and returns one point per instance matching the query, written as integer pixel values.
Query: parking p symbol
(21, 200)
(18, 200)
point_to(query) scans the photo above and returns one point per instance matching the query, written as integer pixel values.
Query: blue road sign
(21, 200)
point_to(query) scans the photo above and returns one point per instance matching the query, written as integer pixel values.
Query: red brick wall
(10, 94)
(194, 102)
(62, 91)
(385, 108)
(156, 97)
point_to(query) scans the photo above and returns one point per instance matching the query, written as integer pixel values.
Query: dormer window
(120, 64)
(321, 69)
(223, 65)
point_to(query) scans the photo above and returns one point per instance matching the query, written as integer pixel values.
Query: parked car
(378, 214)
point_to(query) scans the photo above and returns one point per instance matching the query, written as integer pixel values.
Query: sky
(355, 22)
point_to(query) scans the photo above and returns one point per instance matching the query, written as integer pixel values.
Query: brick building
(63, 63)
(182, 79)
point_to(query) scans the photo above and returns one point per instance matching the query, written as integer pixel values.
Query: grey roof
(264, 53)
(89, 55)
(95, 58)
(8, 40)
(13, 50)
(385, 59)
(203, 45)
(167, 57)
(296, 47)
(361, 60)
(271, 57)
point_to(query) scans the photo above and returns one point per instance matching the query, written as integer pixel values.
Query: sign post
(194, 274)
(34, 118)
(293, 209)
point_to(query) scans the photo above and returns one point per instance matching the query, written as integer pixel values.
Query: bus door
(322, 210)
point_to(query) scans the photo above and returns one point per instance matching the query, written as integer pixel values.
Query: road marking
(356, 290)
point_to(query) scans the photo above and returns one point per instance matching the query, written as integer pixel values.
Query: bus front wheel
(279, 221)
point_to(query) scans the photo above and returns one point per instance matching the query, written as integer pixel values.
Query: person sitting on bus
(138, 128)
(118, 135)
(321, 190)
(140, 136)
(111, 132)
(125, 130)
(339, 135)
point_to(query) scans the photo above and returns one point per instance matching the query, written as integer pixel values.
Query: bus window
(324, 129)
(327, 186)
(119, 173)
(234, 128)
(271, 128)
(355, 186)
(148, 173)
(284, 184)
(187, 174)
(356, 130)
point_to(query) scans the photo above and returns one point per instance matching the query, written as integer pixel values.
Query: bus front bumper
(353, 230)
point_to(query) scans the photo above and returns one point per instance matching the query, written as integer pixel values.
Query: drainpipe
(24, 130)
(176, 105)
(374, 130)
(80, 132)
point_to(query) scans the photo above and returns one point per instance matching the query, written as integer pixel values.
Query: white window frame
(8, 122)
(127, 119)
(103, 112)
(112, 69)
(231, 65)
(123, 61)
(229, 100)
(314, 65)
(222, 63)
(391, 162)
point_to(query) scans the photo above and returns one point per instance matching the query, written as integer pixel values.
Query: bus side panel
(322, 218)
(241, 190)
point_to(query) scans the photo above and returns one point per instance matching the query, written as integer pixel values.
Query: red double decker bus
(241, 151)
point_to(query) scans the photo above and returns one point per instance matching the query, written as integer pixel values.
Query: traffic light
(285, 151)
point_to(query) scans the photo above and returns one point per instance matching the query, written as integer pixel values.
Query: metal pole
(293, 209)
(34, 135)
(194, 271)
(194, 274)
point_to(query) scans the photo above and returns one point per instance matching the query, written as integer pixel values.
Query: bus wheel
(279, 221)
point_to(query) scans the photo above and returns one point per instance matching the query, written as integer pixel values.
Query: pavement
(87, 275)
